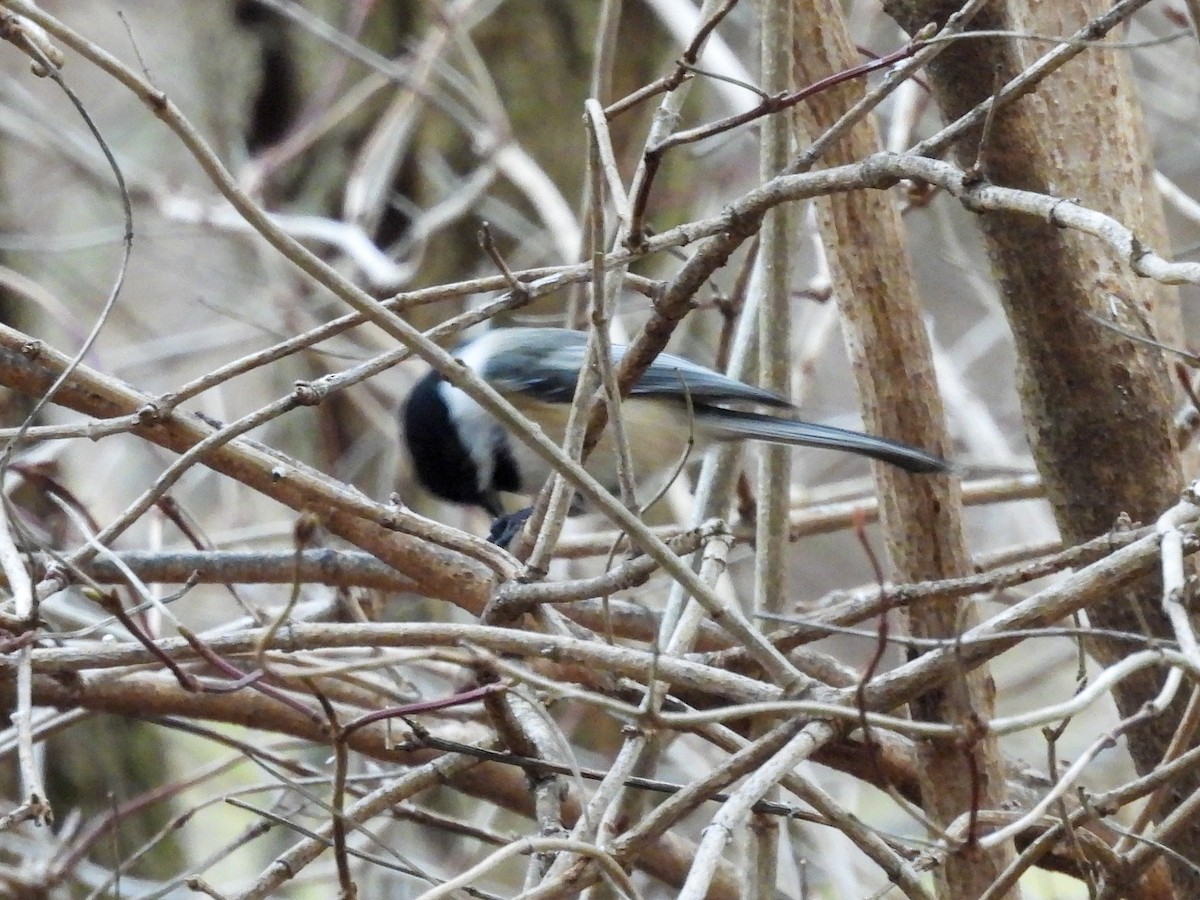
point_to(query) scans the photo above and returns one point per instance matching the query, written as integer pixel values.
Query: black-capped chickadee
(462, 454)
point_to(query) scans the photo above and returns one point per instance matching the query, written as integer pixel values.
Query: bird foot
(505, 528)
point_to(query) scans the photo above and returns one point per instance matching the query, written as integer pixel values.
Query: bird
(461, 454)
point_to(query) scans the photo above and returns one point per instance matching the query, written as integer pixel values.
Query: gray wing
(545, 363)
(672, 376)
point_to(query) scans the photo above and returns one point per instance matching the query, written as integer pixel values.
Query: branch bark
(922, 517)
(1097, 407)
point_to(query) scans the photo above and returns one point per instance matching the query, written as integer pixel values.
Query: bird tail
(732, 424)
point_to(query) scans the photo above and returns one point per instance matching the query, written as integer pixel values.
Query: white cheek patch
(479, 432)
